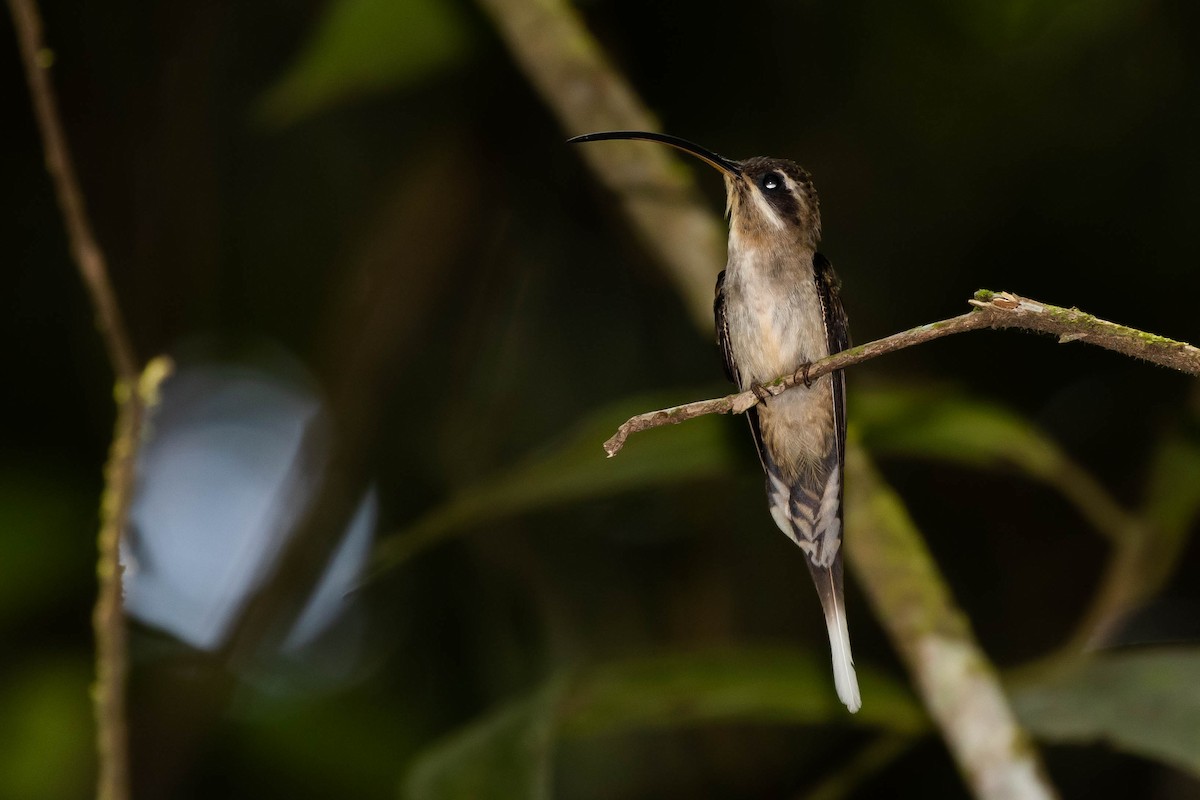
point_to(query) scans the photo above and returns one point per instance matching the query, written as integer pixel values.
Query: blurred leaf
(1147, 703)
(767, 685)
(505, 754)
(324, 744)
(942, 425)
(46, 740)
(1173, 494)
(43, 521)
(575, 469)
(364, 46)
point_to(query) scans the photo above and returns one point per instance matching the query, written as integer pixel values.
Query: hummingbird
(778, 309)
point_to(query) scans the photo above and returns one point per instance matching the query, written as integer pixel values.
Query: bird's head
(770, 201)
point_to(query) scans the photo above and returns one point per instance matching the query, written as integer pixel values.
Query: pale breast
(774, 316)
(776, 326)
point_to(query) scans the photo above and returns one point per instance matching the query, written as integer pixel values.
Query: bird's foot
(760, 391)
(804, 374)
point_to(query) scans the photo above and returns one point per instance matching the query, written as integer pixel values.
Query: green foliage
(1042, 147)
(945, 425)
(345, 744)
(46, 746)
(1173, 493)
(746, 684)
(573, 469)
(364, 46)
(38, 515)
(511, 747)
(508, 752)
(1147, 703)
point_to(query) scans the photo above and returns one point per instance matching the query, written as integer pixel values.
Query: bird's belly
(797, 427)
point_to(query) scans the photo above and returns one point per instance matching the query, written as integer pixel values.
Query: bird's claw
(760, 391)
(804, 375)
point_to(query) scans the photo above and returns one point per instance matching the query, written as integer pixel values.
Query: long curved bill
(718, 162)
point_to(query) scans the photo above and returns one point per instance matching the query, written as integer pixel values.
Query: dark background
(1043, 148)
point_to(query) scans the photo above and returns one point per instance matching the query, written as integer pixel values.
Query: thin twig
(86, 250)
(992, 310)
(108, 618)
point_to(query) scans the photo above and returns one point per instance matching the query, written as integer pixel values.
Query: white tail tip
(844, 677)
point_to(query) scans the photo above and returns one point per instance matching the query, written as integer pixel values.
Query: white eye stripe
(766, 210)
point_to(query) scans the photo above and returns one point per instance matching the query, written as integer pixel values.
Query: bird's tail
(828, 581)
(809, 512)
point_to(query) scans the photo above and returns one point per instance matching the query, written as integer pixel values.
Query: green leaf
(575, 469)
(1173, 497)
(505, 754)
(943, 425)
(949, 427)
(1147, 703)
(508, 752)
(767, 685)
(364, 46)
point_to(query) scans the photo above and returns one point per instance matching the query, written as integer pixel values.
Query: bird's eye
(770, 181)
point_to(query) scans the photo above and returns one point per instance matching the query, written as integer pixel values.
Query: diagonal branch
(992, 310)
(582, 88)
(957, 683)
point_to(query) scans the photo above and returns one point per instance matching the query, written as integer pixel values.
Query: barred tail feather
(809, 512)
(828, 581)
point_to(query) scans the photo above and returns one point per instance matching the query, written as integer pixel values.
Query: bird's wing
(828, 577)
(731, 370)
(837, 335)
(722, 324)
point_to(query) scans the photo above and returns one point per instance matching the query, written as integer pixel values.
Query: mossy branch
(991, 310)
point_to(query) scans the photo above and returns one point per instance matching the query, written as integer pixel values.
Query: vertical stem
(108, 622)
(86, 251)
(108, 619)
